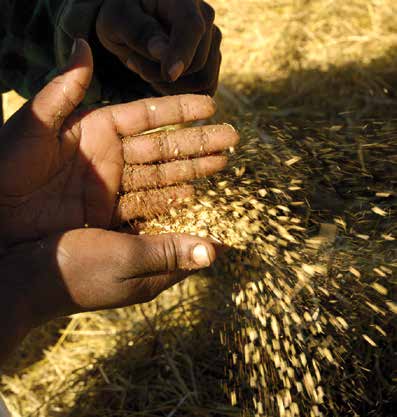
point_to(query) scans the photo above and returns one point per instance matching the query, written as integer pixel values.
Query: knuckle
(183, 112)
(160, 199)
(160, 175)
(165, 144)
(204, 139)
(195, 171)
(170, 249)
(147, 115)
(209, 13)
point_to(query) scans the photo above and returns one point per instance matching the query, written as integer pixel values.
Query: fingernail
(231, 126)
(157, 47)
(176, 70)
(201, 256)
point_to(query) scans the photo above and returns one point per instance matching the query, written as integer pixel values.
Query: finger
(176, 144)
(187, 29)
(138, 177)
(142, 33)
(147, 114)
(151, 203)
(170, 253)
(65, 92)
(108, 269)
(91, 269)
(132, 30)
(203, 50)
(202, 53)
(148, 70)
(201, 82)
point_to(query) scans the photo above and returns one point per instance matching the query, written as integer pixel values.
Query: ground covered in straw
(299, 318)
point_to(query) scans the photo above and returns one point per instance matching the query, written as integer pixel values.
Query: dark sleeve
(36, 41)
(27, 57)
(37, 38)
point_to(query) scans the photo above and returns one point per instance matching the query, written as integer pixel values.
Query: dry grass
(299, 319)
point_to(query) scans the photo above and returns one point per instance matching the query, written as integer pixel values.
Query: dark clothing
(36, 40)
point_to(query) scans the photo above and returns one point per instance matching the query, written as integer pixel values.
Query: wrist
(19, 270)
(15, 314)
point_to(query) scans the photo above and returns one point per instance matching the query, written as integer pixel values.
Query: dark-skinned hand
(171, 44)
(61, 170)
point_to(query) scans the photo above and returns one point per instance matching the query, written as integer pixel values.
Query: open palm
(61, 169)
(67, 177)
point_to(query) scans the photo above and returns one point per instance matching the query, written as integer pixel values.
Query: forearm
(14, 308)
(12, 328)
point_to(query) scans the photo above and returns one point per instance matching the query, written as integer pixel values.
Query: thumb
(91, 269)
(170, 253)
(57, 100)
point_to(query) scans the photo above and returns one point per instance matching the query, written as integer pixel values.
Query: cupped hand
(61, 169)
(172, 44)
